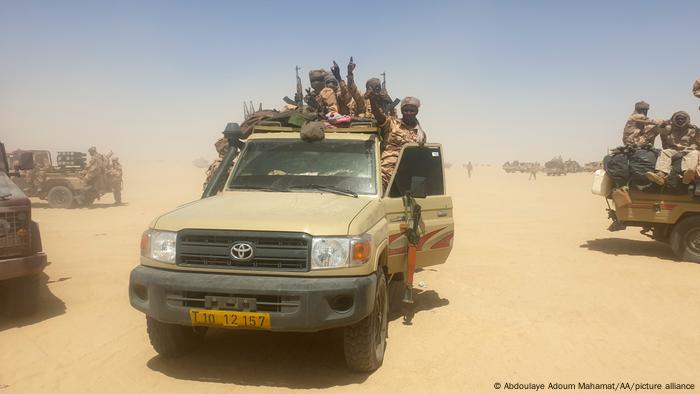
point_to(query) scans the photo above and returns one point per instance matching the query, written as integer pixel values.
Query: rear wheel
(20, 295)
(60, 197)
(173, 340)
(685, 239)
(365, 342)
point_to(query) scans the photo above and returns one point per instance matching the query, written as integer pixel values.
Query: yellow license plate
(230, 319)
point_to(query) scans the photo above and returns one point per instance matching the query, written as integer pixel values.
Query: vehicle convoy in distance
(300, 238)
(62, 184)
(21, 256)
(673, 219)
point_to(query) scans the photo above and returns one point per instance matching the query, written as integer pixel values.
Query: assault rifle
(299, 95)
(389, 104)
(411, 230)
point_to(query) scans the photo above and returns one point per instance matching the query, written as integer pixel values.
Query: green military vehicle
(61, 184)
(21, 256)
(300, 237)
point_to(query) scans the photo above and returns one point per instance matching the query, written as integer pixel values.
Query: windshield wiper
(326, 188)
(257, 187)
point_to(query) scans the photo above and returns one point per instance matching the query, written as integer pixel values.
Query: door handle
(441, 214)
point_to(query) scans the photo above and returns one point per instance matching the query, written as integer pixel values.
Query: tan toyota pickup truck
(300, 238)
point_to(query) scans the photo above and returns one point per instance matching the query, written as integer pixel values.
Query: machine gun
(299, 95)
(411, 230)
(389, 105)
(233, 134)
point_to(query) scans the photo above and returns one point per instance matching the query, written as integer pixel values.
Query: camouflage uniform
(94, 168)
(116, 174)
(38, 174)
(328, 98)
(679, 139)
(640, 130)
(696, 88)
(396, 134)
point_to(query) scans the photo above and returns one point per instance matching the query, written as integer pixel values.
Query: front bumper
(307, 304)
(22, 266)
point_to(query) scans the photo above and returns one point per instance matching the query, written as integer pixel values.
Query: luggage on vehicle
(602, 185)
(641, 161)
(617, 167)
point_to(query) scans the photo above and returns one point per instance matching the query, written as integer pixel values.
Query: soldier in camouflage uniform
(396, 132)
(116, 174)
(680, 138)
(221, 146)
(94, 169)
(696, 88)
(38, 173)
(639, 129)
(350, 101)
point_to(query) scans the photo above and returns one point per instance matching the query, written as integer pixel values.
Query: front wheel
(173, 340)
(60, 197)
(685, 239)
(20, 296)
(365, 342)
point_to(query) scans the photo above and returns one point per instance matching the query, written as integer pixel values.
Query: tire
(60, 197)
(173, 340)
(685, 239)
(365, 342)
(20, 296)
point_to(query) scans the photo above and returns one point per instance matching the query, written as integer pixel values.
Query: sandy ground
(536, 290)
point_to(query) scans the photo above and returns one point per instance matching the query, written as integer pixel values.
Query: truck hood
(312, 213)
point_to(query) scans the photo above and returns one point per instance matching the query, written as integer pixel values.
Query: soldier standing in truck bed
(396, 132)
(639, 129)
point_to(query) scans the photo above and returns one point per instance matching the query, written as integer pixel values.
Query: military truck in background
(21, 256)
(299, 237)
(572, 167)
(555, 167)
(62, 184)
(592, 166)
(517, 166)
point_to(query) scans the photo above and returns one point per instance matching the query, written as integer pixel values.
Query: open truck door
(419, 168)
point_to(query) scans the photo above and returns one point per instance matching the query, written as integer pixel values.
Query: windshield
(283, 165)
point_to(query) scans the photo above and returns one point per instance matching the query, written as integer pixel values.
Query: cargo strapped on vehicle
(355, 127)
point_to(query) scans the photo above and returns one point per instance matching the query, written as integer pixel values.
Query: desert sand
(535, 291)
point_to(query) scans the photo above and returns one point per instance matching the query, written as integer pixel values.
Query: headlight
(340, 252)
(159, 245)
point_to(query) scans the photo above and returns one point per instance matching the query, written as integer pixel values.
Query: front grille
(234, 302)
(12, 241)
(274, 251)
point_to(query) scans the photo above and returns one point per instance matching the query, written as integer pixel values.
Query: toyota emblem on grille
(242, 251)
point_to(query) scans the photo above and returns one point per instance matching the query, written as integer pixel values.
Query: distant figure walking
(469, 169)
(533, 173)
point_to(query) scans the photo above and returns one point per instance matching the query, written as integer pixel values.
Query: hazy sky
(497, 80)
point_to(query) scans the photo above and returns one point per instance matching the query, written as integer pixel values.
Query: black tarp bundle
(627, 166)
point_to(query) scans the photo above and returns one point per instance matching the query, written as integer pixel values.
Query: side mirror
(419, 187)
(26, 161)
